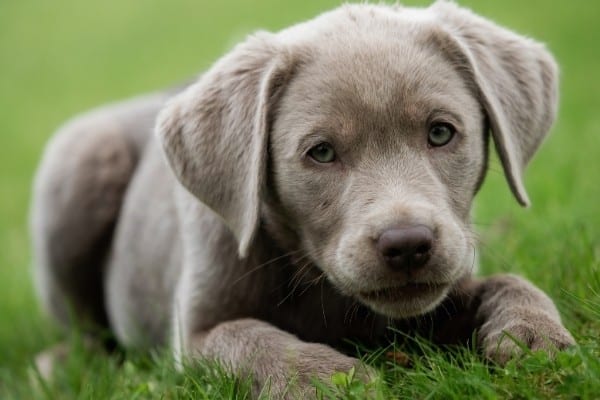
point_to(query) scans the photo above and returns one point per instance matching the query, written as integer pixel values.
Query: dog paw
(504, 342)
(322, 372)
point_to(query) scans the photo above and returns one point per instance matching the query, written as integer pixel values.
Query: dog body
(317, 186)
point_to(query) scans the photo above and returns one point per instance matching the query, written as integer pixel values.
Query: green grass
(61, 57)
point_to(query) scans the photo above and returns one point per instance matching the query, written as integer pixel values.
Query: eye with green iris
(440, 134)
(322, 153)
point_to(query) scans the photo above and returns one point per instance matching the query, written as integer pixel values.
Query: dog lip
(403, 292)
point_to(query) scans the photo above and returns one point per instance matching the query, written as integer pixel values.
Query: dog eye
(440, 134)
(322, 153)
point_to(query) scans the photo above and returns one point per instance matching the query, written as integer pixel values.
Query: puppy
(311, 180)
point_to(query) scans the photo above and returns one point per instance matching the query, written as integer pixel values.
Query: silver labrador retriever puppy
(317, 186)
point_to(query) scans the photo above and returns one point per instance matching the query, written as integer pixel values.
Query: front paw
(508, 338)
(320, 369)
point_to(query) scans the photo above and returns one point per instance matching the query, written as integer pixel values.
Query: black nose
(407, 247)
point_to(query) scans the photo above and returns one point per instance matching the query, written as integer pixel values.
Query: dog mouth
(408, 291)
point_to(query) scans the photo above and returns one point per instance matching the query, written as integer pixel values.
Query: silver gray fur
(235, 246)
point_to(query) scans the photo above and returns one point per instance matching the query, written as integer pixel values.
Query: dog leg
(511, 306)
(508, 313)
(77, 196)
(279, 363)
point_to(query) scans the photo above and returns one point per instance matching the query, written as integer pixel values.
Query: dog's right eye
(322, 153)
(440, 134)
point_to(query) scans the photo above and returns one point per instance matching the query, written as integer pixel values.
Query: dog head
(360, 138)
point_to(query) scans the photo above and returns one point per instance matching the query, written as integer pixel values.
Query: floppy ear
(517, 81)
(215, 133)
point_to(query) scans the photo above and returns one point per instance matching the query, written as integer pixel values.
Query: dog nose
(406, 248)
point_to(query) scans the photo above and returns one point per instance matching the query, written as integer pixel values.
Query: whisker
(312, 282)
(293, 265)
(323, 306)
(296, 280)
(258, 267)
(351, 311)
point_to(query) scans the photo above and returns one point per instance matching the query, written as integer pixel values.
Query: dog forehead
(358, 18)
(367, 77)
(380, 76)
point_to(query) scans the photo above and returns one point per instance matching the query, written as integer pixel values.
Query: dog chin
(405, 302)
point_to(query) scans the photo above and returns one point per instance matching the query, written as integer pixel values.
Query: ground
(61, 57)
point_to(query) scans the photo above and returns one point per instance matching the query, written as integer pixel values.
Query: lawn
(62, 57)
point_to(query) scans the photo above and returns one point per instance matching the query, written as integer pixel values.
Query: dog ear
(215, 133)
(516, 79)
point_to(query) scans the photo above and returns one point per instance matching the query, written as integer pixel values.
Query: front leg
(276, 360)
(216, 288)
(512, 306)
(502, 308)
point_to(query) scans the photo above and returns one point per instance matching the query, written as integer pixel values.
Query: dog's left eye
(322, 153)
(440, 134)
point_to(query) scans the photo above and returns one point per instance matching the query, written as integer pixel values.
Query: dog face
(361, 136)
(376, 163)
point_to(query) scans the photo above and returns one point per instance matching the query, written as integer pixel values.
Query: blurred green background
(61, 57)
